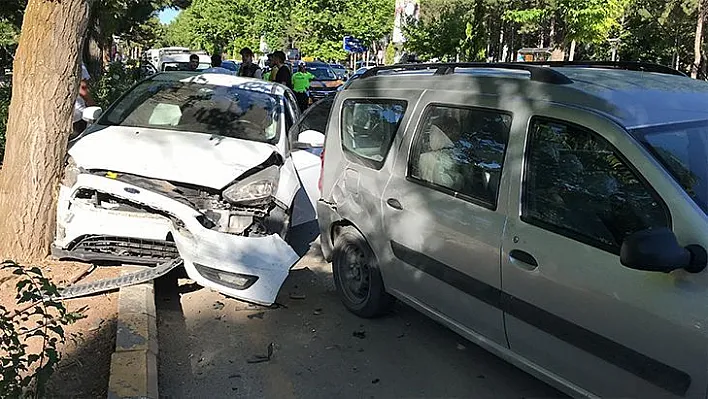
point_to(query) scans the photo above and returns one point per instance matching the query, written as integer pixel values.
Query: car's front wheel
(357, 276)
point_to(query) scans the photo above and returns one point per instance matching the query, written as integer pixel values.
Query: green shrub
(115, 81)
(25, 373)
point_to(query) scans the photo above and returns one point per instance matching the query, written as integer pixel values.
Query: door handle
(394, 203)
(529, 262)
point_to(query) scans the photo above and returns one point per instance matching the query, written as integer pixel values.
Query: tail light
(319, 183)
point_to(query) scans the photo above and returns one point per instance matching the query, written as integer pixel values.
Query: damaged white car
(202, 167)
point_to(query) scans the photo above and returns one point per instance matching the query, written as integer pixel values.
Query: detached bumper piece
(122, 249)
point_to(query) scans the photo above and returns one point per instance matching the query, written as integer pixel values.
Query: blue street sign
(353, 45)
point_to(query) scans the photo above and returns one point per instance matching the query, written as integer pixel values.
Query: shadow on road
(170, 323)
(320, 350)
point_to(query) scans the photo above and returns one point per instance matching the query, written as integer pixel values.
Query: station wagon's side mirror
(91, 114)
(658, 250)
(310, 139)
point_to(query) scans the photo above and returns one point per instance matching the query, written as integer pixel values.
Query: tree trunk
(698, 42)
(571, 55)
(45, 86)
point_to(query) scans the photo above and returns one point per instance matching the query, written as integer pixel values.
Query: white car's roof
(221, 79)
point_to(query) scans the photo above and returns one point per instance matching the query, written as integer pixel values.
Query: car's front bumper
(214, 259)
(316, 95)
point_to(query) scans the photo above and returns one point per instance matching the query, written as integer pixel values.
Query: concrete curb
(134, 363)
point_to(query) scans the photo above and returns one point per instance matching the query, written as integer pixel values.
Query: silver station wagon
(553, 214)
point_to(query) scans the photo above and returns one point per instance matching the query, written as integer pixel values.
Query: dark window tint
(316, 116)
(461, 151)
(683, 149)
(576, 185)
(368, 128)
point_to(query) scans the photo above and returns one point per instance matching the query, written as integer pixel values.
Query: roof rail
(624, 65)
(539, 73)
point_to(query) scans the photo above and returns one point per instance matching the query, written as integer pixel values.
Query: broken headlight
(71, 172)
(256, 189)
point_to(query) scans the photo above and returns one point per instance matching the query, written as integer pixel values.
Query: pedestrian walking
(281, 73)
(248, 68)
(301, 85)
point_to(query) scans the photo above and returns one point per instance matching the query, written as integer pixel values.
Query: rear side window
(578, 186)
(368, 129)
(460, 151)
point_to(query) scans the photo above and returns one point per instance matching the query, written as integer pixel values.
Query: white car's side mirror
(91, 114)
(310, 139)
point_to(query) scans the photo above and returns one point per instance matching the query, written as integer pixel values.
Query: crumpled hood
(193, 158)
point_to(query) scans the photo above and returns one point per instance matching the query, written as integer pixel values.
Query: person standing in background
(301, 85)
(82, 101)
(281, 73)
(248, 68)
(268, 67)
(216, 66)
(193, 62)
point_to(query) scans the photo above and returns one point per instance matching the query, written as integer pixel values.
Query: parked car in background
(356, 75)
(362, 64)
(340, 70)
(326, 80)
(231, 65)
(555, 214)
(210, 168)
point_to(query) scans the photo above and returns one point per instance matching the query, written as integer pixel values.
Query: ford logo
(131, 190)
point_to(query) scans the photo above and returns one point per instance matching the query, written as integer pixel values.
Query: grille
(134, 249)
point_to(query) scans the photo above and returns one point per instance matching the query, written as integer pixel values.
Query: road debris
(401, 335)
(297, 296)
(359, 334)
(218, 305)
(375, 381)
(235, 376)
(261, 358)
(317, 312)
(258, 315)
(461, 347)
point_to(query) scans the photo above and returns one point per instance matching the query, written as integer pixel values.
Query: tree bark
(45, 85)
(698, 42)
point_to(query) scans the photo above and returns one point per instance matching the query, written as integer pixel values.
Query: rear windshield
(199, 108)
(683, 150)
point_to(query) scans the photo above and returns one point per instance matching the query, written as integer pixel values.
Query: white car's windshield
(200, 108)
(683, 150)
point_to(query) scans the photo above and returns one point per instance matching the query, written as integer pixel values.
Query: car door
(368, 125)
(444, 214)
(308, 161)
(570, 306)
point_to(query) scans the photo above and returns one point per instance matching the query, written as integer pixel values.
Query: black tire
(357, 276)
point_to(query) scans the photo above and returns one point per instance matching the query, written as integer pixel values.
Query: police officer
(301, 85)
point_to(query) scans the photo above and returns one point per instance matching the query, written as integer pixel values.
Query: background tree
(316, 27)
(46, 73)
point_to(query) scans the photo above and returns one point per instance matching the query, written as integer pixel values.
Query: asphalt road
(320, 350)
